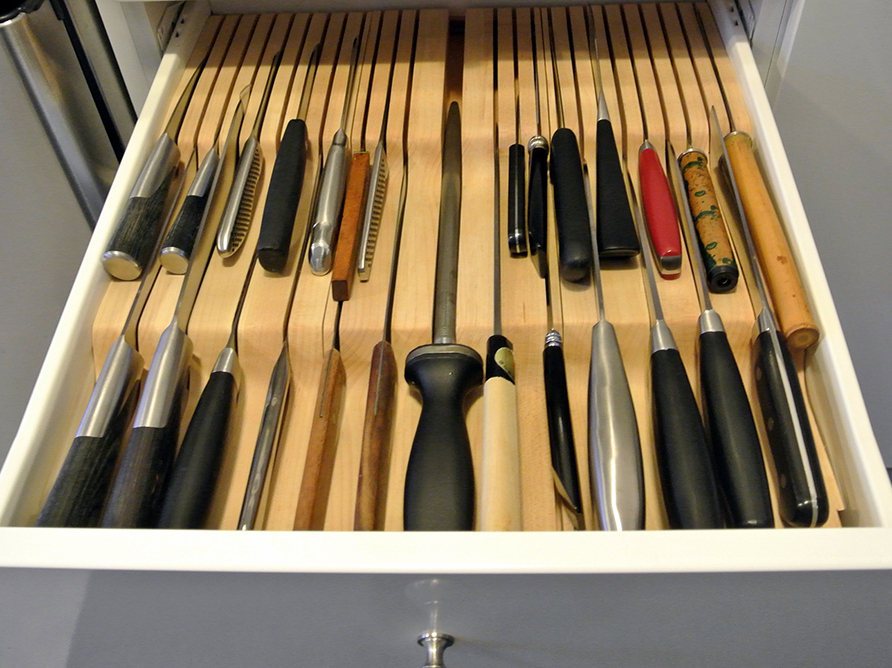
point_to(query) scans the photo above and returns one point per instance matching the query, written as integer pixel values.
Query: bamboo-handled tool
(81, 487)
(803, 495)
(517, 223)
(537, 197)
(350, 236)
(141, 224)
(736, 449)
(686, 471)
(439, 493)
(371, 219)
(334, 181)
(500, 500)
(240, 206)
(615, 226)
(141, 479)
(195, 471)
(571, 216)
(777, 262)
(315, 486)
(277, 392)
(374, 463)
(286, 182)
(714, 244)
(615, 469)
(656, 196)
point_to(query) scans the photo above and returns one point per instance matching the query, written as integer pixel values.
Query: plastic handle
(560, 427)
(316, 484)
(617, 481)
(283, 198)
(615, 226)
(517, 220)
(715, 245)
(374, 462)
(177, 247)
(197, 465)
(660, 212)
(789, 434)
(735, 441)
(500, 499)
(130, 249)
(439, 492)
(570, 207)
(347, 252)
(537, 208)
(686, 471)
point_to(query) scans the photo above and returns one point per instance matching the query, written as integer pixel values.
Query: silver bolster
(379, 172)
(331, 199)
(710, 321)
(236, 192)
(204, 177)
(227, 362)
(765, 322)
(537, 142)
(163, 159)
(661, 337)
(119, 374)
(266, 439)
(615, 455)
(169, 366)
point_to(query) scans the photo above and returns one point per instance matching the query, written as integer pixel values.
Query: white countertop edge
(467, 553)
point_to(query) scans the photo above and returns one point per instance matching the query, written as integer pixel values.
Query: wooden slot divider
(241, 53)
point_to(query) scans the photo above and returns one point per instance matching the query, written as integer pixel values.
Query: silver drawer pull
(435, 643)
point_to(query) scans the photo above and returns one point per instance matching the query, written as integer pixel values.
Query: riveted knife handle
(570, 207)
(785, 416)
(439, 492)
(615, 228)
(283, 198)
(176, 250)
(517, 221)
(374, 463)
(195, 471)
(537, 207)
(735, 441)
(686, 470)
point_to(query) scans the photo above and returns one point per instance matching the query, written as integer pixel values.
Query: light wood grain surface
(666, 48)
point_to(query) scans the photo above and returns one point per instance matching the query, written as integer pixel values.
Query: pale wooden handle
(500, 506)
(374, 464)
(344, 268)
(316, 483)
(778, 266)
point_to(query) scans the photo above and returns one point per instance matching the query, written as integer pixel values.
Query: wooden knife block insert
(241, 48)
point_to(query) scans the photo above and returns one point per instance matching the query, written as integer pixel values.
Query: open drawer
(859, 536)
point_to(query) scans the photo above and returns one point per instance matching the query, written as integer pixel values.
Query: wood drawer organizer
(241, 48)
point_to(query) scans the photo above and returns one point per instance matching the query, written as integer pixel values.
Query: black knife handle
(570, 207)
(142, 478)
(197, 465)
(176, 250)
(795, 460)
(283, 198)
(560, 426)
(537, 206)
(517, 219)
(439, 492)
(131, 246)
(736, 450)
(615, 226)
(686, 470)
(81, 488)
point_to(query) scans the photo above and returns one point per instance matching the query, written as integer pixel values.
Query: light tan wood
(242, 51)
(500, 494)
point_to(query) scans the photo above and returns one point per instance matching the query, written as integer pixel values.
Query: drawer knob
(435, 643)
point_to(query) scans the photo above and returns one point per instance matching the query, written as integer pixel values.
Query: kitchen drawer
(862, 542)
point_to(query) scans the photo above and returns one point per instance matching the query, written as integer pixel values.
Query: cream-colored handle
(500, 507)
